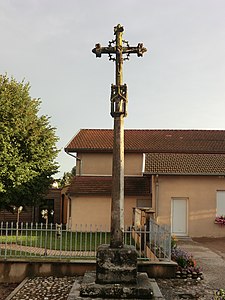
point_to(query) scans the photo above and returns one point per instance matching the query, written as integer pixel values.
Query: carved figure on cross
(119, 48)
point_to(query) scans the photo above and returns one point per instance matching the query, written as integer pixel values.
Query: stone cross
(116, 50)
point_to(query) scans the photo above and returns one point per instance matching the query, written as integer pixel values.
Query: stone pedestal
(144, 288)
(116, 265)
(116, 277)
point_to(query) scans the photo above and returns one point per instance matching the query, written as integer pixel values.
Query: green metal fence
(26, 240)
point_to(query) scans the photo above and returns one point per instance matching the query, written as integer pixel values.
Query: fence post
(6, 236)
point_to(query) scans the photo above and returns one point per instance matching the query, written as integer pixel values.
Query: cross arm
(98, 50)
(139, 50)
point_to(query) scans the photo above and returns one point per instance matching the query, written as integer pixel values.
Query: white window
(220, 203)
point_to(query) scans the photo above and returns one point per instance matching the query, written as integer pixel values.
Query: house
(90, 199)
(177, 175)
(52, 201)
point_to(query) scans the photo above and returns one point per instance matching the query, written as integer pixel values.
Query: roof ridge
(151, 129)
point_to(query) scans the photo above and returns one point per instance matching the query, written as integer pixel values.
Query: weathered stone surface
(116, 265)
(142, 289)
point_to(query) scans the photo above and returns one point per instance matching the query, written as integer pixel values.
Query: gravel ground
(51, 288)
(174, 289)
(6, 289)
(44, 288)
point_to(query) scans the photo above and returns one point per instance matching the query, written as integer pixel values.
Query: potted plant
(220, 220)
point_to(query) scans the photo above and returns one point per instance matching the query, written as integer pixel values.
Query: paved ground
(209, 253)
(216, 245)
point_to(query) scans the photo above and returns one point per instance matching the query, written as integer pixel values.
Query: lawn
(40, 240)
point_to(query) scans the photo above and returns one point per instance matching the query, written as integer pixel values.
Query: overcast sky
(178, 84)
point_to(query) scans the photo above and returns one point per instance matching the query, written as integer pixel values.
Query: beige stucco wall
(101, 164)
(88, 210)
(200, 192)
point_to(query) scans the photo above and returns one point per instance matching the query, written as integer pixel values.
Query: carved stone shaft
(117, 209)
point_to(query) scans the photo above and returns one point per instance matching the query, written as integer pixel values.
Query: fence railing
(152, 242)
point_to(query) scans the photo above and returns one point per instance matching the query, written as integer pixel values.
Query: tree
(27, 146)
(67, 177)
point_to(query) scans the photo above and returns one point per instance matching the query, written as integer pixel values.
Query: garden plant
(187, 265)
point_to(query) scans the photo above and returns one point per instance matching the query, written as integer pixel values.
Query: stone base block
(142, 289)
(116, 265)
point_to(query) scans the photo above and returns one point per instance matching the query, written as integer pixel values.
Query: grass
(13, 239)
(76, 241)
(48, 239)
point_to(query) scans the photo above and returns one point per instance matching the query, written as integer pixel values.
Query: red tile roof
(186, 164)
(101, 185)
(154, 141)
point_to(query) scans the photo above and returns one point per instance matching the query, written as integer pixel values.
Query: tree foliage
(27, 146)
(67, 177)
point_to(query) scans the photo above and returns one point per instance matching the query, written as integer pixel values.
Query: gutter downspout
(156, 197)
(69, 209)
(77, 158)
(143, 163)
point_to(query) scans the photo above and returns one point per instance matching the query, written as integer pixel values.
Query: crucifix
(118, 51)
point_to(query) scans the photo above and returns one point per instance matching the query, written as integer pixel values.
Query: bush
(184, 260)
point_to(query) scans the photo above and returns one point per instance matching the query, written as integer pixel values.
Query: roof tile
(143, 140)
(186, 164)
(101, 185)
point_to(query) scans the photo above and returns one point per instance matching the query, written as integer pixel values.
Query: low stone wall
(14, 271)
(158, 269)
